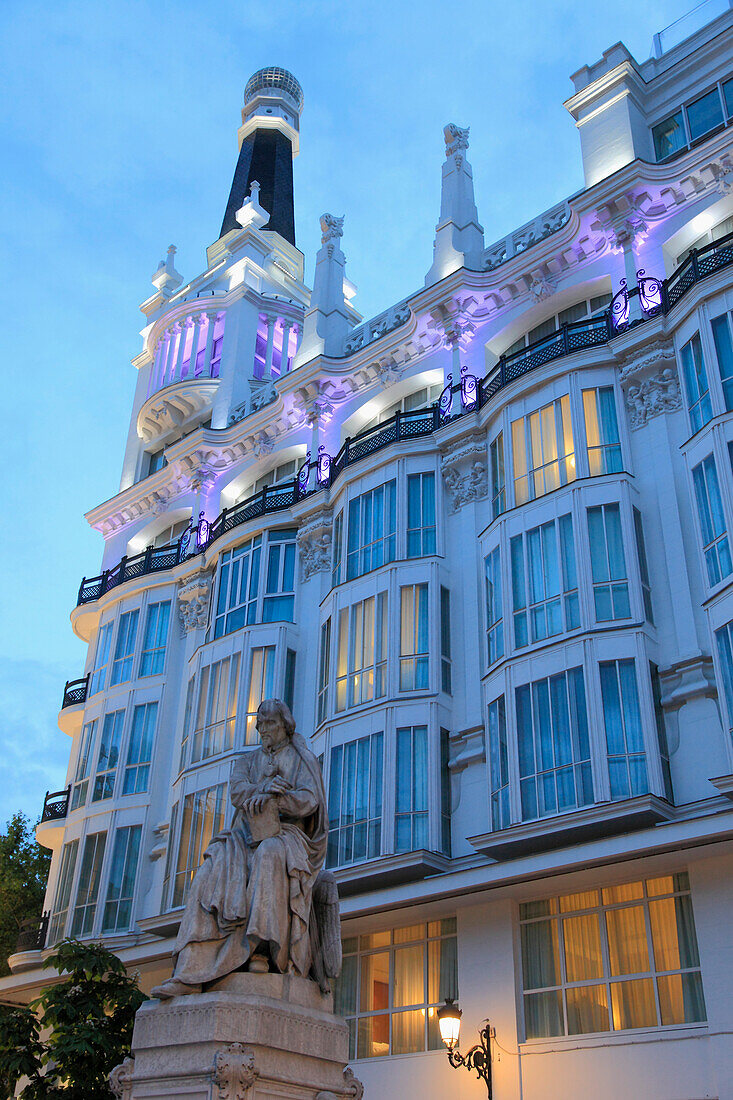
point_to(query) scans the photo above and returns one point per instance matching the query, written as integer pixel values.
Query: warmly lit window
(544, 573)
(724, 638)
(411, 806)
(613, 959)
(125, 648)
(554, 747)
(140, 749)
(608, 563)
(646, 588)
(87, 891)
(279, 596)
(203, 818)
(494, 611)
(414, 667)
(261, 686)
(499, 765)
(216, 711)
(156, 634)
(109, 754)
(544, 454)
(371, 539)
(355, 801)
(361, 659)
(62, 895)
(696, 383)
(98, 678)
(715, 544)
(121, 886)
(420, 515)
(498, 492)
(445, 659)
(724, 353)
(83, 765)
(601, 429)
(391, 986)
(324, 670)
(669, 136)
(624, 734)
(188, 718)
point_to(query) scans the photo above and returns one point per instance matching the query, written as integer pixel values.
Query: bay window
(98, 678)
(361, 658)
(156, 634)
(414, 661)
(696, 383)
(608, 563)
(627, 769)
(261, 686)
(543, 449)
(355, 800)
(715, 545)
(125, 647)
(83, 765)
(724, 352)
(601, 430)
(140, 749)
(256, 582)
(203, 817)
(544, 582)
(420, 515)
(109, 754)
(371, 530)
(62, 895)
(324, 670)
(216, 710)
(499, 765)
(121, 886)
(724, 640)
(87, 892)
(411, 803)
(498, 489)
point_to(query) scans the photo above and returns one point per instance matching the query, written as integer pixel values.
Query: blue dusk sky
(119, 138)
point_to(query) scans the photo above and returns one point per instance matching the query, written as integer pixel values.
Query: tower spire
(268, 142)
(459, 238)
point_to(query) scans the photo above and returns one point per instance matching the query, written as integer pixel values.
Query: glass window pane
(408, 1032)
(373, 1040)
(409, 976)
(543, 1014)
(669, 136)
(628, 949)
(681, 999)
(540, 954)
(587, 1009)
(582, 939)
(704, 114)
(374, 982)
(633, 1004)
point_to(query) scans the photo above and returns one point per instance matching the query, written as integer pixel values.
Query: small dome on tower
(274, 77)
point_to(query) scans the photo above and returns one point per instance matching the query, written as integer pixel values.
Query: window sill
(560, 1043)
(562, 830)
(724, 784)
(359, 878)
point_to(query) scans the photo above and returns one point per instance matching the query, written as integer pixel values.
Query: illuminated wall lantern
(469, 390)
(323, 467)
(650, 292)
(620, 308)
(202, 532)
(445, 401)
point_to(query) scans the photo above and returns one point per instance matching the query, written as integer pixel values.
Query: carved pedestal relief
(314, 545)
(353, 1088)
(194, 597)
(465, 472)
(650, 383)
(120, 1079)
(234, 1073)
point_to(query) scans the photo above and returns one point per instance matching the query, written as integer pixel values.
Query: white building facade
(481, 545)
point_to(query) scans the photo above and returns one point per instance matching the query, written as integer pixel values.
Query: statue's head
(275, 723)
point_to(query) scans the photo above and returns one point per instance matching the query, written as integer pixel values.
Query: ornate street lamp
(478, 1058)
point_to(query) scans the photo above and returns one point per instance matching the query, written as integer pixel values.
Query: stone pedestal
(249, 1037)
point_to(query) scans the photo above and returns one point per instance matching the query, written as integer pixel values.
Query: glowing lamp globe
(449, 1022)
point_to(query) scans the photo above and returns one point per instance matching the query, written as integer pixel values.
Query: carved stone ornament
(456, 138)
(314, 546)
(353, 1088)
(651, 384)
(194, 597)
(541, 287)
(331, 228)
(120, 1079)
(199, 476)
(234, 1072)
(465, 472)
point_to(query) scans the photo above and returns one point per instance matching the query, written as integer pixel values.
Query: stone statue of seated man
(260, 900)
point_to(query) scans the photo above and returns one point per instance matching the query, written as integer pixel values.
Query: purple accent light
(323, 467)
(650, 292)
(469, 390)
(620, 308)
(202, 532)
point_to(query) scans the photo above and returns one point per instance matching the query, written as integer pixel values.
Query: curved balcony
(32, 934)
(50, 829)
(172, 408)
(474, 394)
(75, 692)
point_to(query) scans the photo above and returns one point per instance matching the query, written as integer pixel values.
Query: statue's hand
(256, 803)
(278, 785)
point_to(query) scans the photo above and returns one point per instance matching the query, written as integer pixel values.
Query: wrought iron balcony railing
(32, 934)
(56, 805)
(573, 337)
(75, 692)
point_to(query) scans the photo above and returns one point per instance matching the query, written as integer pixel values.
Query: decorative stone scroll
(314, 545)
(194, 596)
(465, 472)
(650, 383)
(234, 1072)
(120, 1079)
(353, 1088)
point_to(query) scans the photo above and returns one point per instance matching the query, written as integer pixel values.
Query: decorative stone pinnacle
(254, 192)
(456, 138)
(331, 227)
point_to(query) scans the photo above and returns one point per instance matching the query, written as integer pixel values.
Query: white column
(287, 325)
(194, 346)
(182, 326)
(211, 319)
(154, 380)
(269, 347)
(168, 370)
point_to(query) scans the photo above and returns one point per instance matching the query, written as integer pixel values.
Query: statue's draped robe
(243, 893)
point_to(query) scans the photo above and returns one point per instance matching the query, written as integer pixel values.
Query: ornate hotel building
(481, 544)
